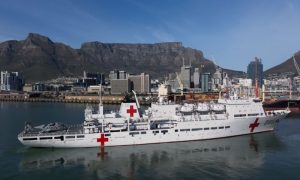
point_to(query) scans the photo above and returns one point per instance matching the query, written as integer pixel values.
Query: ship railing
(51, 134)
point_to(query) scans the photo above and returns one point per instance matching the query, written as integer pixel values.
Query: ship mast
(100, 101)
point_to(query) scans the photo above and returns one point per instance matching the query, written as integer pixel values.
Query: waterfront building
(11, 81)
(140, 83)
(255, 71)
(116, 74)
(245, 82)
(93, 89)
(185, 75)
(197, 78)
(113, 74)
(296, 83)
(27, 88)
(120, 86)
(90, 79)
(205, 84)
(122, 75)
(217, 79)
(39, 87)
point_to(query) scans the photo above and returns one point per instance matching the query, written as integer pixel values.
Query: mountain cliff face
(285, 67)
(38, 58)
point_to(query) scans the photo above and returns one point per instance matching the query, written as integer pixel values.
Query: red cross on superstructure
(131, 111)
(254, 125)
(102, 139)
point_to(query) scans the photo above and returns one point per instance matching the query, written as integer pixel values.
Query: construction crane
(296, 66)
(180, 83)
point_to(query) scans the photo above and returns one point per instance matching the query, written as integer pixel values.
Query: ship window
(29, 139)
(154, 132)
(256, 114)
(80, 136)
(221, 127)
(133, 133)
(70, 137)
(213, 128)
(45, 138)
(239, 115)
(184, 130)
(196, 129)
(107, 135)
(206, 128)
(143, 132)
(164, 131)
(176, 130)
(227, 127)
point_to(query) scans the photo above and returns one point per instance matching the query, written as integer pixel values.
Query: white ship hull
(183, 131)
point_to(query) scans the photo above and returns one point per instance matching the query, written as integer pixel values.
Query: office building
(120, 86)
(205, 82)
(11, 81)
(116, 74)
(185, 76)
(113, 74)
(90, 79)
(255, 71)
(140, 83)
(197, 78)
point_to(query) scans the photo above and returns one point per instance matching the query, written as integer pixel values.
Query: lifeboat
(203, 107)
(187, 108)
(218, 107)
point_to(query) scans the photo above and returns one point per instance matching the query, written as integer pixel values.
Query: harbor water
(271, 155)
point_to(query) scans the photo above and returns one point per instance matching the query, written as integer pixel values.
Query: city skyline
(225, 32)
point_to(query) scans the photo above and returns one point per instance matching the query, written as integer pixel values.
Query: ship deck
(71, 129)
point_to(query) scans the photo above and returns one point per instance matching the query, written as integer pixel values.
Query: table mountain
(38, 58)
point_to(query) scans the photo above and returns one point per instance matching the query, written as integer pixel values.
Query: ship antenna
(100, 89)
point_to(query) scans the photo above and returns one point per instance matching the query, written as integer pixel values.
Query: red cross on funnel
(131, 111)
(102, 139)
(254, 125)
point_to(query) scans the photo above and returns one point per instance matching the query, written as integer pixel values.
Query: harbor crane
(180, 83)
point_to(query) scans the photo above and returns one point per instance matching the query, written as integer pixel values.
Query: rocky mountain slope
(285, 67)
(38, 58)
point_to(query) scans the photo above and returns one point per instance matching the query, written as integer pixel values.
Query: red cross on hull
(102, 140)
(254, 125)
(131, 111)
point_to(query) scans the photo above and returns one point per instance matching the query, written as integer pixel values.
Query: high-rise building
(205, 82)
(113, 74)
(11, 81)
(255, 71)
(217, 79)
(196, 78)
(122, 75)
(185, 75)
(140, 83)
(116, 74)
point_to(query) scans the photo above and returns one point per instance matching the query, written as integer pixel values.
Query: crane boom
(180, 83)
(296, 65)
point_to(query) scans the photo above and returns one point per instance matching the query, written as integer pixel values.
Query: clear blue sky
(232, 32)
